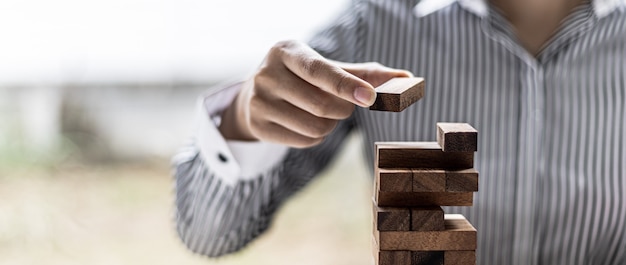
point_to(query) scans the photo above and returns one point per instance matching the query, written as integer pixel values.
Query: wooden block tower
(413, 181)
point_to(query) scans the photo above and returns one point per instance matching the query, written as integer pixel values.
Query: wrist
(234, 125)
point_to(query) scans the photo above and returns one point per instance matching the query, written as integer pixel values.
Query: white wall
(92, 45)
(62, 41)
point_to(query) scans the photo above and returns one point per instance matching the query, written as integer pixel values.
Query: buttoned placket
(531, 124)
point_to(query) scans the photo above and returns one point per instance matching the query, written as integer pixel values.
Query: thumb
(325, 74)
(375, 73)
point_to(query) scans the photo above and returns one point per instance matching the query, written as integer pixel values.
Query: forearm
(215, 218)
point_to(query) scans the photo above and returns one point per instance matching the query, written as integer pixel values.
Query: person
(544, 83)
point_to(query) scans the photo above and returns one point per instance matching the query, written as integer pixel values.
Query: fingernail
(365, 95)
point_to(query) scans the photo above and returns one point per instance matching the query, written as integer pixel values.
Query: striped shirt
(552, 153)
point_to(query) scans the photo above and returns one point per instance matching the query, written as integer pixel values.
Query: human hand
(297, 97)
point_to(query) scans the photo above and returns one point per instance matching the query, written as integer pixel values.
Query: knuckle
(321, 128)
(257, 121)
(330, 126)
(256, 103)
(265, 76)
(282, 46)
(320, 107)
(261, 76)
(259, 107)
(256, 128)
(326, 106)
(315, 67)
(346, 111)
(264, 83)
(341, 84)
(286, 44)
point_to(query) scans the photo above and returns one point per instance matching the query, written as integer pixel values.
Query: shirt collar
(479, 7)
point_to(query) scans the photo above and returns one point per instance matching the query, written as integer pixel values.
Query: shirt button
(222, 157)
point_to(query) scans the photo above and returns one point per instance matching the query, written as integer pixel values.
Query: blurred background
(97, 95)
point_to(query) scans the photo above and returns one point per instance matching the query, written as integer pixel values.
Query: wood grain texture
(390, 257)
(457, 137)
(409, 199)
(392, 218)
(398, 93)
(465, 180)
(427, 219)
(394, 258)
(424, 155)
(427, 258)
(429, 180)
(460, 257)
(459, 234)
(397, 180)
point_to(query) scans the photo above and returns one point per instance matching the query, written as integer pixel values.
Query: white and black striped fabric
(552, 153)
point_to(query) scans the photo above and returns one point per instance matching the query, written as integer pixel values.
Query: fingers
(297, 97)
(287, 124)
(304, 95)
(319, 72)
(277, 134)
(295, 119)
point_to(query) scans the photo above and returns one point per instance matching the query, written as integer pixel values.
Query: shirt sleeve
(218, 209)
(215, 217)
(231, 160)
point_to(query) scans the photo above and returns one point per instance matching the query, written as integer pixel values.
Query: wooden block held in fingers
(425, 155)
(409, 199)
(467, 257)
(462, 180)
(459, 234)
(392, 219)
(429, 180)
(398, 93)
(398, 180)
(457, 137)
(427, 219)
(427, 258)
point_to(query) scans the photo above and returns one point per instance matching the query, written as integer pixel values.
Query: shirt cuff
(232, 161)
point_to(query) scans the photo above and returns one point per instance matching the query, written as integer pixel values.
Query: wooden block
(460, 258)
(394, 258)
(392, 219)
(429, 180)
(390, 257)
(427, 219)
(457, 137)
(398, 180)
(427, 258)
(398, 93)
(425, 155)
(459, 234)
(462, 180)
(409, 199)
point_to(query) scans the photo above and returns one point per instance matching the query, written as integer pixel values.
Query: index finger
(320, 72)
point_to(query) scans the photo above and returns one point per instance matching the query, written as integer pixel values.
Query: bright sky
(56, 41)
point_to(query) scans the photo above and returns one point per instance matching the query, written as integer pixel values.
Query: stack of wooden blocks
(413, 181)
